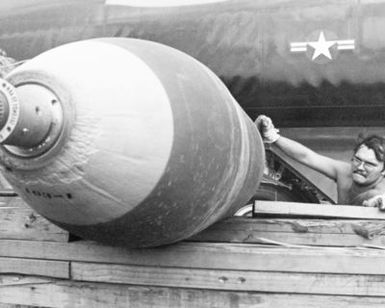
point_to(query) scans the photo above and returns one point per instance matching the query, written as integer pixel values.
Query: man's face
(366, 169)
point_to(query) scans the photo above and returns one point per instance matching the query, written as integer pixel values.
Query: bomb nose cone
(30, 118)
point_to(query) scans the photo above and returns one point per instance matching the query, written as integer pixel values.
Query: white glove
(376, 201)
(266, 127)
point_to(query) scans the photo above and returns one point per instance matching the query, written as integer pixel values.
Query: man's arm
(323, 164)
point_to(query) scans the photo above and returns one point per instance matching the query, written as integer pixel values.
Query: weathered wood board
(286, 232)
(64, 293)
(19, 221)
(227, 256)
(239, 262)
(259, 281)
(316, 210)
(37, 267)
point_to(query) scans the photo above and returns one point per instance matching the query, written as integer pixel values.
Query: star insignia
(321, 47)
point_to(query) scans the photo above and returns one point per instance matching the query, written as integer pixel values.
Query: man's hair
(374, 142)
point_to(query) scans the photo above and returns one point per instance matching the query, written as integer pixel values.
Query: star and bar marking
(322, 46)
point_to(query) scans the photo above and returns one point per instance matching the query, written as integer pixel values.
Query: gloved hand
(266, 127)
(376, 201)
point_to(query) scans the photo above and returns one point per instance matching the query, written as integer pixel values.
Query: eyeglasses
(367, 165)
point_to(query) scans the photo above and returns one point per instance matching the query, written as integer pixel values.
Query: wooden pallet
(240, 262)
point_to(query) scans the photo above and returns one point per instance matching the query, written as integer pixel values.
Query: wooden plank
(307, 225)
(56, 269)
(289, 238)
(260, 281)
(14, 280)
(288, 209)
(209, 256)
(59, 293)
(296, 231)
(19, 221)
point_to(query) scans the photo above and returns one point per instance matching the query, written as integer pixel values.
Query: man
(362, 182)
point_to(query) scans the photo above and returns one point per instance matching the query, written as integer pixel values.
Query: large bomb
(126, 141)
